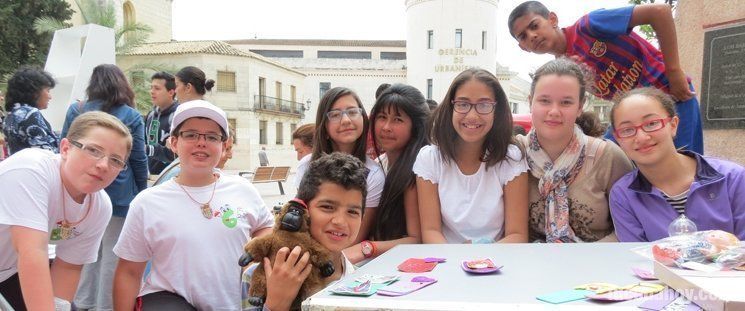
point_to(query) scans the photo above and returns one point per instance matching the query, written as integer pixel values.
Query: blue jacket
(716, 200)
(134, 179)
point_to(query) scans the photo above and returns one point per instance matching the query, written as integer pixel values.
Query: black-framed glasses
(462, 106)
(648, 127)
(98, 154)
(192, 136)
(336, 114)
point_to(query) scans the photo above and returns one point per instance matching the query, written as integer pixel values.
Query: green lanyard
(152, 132)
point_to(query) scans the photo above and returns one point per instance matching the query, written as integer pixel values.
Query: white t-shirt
(192, 256)
(375, 182)
(32, 194)
(382, 160)
(472, 206)
(302, 166)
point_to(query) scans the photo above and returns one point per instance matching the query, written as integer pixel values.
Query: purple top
(716, 200)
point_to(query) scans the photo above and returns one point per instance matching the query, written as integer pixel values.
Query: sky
(346, 19)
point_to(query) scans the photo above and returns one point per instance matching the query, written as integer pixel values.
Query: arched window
(129, 13)
(128, 10)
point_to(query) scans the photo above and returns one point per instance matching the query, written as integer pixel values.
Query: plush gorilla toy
(291, 228)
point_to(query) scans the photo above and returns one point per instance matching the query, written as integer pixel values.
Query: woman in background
(25, 126)
(192, 84)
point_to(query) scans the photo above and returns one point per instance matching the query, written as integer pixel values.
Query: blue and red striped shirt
(621, 59)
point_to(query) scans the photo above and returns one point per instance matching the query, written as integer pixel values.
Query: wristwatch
(368, 248)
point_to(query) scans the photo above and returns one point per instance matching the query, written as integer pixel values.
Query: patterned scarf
(554, 179)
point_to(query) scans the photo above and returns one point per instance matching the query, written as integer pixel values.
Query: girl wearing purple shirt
(668, 182)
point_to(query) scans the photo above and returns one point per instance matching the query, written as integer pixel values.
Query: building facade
(259, 95)
(268, 87)
(361, 65)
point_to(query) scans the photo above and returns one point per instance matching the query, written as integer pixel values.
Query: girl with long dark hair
(398, 124)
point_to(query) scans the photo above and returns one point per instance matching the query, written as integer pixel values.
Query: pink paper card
(416, 265)
(644, 274)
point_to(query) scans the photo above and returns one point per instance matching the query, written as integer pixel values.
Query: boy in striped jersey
(621, 60)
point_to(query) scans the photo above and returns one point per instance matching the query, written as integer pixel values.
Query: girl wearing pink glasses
(669, 182)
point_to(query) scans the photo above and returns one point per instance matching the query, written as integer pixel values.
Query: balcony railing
(272, 104)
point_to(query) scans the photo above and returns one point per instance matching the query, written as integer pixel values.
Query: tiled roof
(199, 47)
(188, 47)
(322, 42)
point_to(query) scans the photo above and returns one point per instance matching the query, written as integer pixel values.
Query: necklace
(65, 228)
(205, 207)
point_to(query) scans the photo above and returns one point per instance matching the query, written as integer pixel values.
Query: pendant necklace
(64, 230)
(205, 207)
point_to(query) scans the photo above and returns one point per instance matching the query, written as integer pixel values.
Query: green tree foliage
(126, 37)
(647, 30)
(19, 44)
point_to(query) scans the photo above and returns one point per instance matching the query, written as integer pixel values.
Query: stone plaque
(723, 80)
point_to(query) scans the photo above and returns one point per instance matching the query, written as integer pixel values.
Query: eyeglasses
(336, 115)
(193, 136)
(98, 154)
(462, 106)
(648, 127)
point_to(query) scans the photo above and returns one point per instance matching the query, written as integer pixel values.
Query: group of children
(458, 175)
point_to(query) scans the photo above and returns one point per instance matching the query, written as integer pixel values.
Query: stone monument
(723, 79)
(72, 56)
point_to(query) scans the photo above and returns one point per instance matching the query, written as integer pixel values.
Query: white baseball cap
(199, 109)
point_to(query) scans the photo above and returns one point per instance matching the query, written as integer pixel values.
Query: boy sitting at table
(334, 188)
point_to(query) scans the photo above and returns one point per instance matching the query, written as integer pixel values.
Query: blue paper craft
(565, 296)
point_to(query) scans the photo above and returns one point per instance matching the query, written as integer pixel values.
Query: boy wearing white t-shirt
(57, 199)
(191, 228)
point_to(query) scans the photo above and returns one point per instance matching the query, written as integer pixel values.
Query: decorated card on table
(629, 292)
(416, 265)
(364, 285)
(644, 274)
(404, 287)
(480, 266)
(565, 296)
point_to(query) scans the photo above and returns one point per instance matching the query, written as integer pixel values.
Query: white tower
(445, 37)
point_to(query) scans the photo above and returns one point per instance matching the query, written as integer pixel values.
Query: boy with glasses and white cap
(57, 199)
(192, 228)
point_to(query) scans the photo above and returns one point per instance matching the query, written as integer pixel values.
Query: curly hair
(339, 168)
(590, 124)
(26, 85)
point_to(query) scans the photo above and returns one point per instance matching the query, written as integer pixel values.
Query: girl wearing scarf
(571, 173)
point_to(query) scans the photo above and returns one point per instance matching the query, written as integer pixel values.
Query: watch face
(366, 249)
